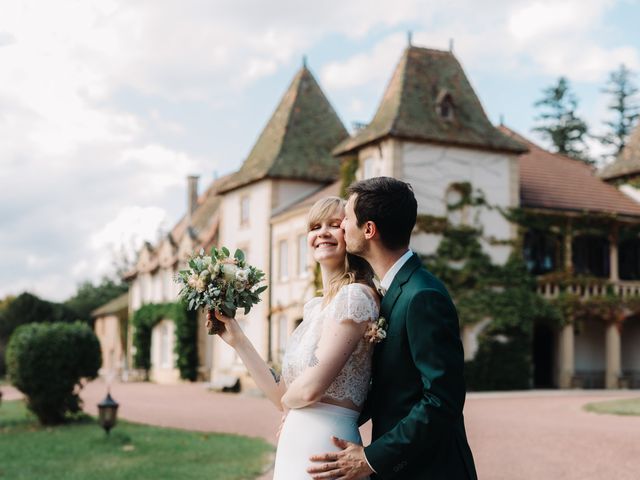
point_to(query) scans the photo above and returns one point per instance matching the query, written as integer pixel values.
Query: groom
(418, 390)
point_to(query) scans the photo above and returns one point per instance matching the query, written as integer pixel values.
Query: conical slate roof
(410, 107)
(628, 161)
(297, 141)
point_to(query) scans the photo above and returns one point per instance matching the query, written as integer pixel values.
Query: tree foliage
(90, 296)
(624, 105)
(559, 122)
(47, 361)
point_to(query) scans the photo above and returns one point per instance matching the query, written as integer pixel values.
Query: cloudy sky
(107, 105)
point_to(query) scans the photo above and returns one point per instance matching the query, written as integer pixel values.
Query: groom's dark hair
(390, 204)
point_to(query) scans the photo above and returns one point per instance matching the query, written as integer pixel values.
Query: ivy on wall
(502, 294)
(186, 332)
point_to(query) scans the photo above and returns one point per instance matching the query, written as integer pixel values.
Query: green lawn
(81, 450)
(628, 406)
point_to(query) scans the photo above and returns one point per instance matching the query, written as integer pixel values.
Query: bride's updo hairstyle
(356, 269)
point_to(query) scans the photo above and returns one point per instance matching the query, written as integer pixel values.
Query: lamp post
(108, 412)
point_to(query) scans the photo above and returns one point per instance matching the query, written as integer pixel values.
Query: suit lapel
(395, 289)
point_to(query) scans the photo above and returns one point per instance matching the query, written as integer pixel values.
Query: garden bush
(46, 362)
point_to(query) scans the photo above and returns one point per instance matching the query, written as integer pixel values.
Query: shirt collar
(385, 283)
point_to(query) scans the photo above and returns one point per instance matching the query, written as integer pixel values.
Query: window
(283, 271)
(541, 251)
(283, 327)
(302, 256)
(591, 255)
(629, 259)
(244, 211)
(444, 105)
(367, 168)
(165, 346)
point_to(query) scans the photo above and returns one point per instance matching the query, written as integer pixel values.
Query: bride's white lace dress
(307, 431)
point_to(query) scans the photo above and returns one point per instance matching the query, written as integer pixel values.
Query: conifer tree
(559, 122)
(622, 90)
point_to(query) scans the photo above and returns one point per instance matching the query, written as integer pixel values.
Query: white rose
(200, 285)
(192, 281)
(229, 271)
(239, 286)
(206, 261)
(242, 275)
(204, 275)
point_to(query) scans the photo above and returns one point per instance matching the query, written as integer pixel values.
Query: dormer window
(445, 106)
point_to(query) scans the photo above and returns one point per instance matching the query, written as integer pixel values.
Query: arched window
(165, 346)
(445, 106)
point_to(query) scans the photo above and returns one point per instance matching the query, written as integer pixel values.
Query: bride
(327, 363)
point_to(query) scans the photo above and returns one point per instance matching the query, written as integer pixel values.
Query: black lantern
(108, 412)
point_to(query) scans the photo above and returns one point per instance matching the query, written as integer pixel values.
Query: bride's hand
(232, 334)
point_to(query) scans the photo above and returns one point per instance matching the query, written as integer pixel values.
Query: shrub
(27, 308)
(500, 364)
(46, 362)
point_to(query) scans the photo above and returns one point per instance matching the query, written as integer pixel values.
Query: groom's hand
(347, 464)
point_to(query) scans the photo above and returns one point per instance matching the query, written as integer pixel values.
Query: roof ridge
(287, 124)
(403, 82)
(297, 140)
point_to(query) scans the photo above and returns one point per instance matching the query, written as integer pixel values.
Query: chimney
(192, 195)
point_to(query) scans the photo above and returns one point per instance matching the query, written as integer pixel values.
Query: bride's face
(326, 239)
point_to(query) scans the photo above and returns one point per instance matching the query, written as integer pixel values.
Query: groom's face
(353, 235)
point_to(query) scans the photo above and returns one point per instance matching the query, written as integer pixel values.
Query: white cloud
(531, 21)
(374, 66)
(131, 226)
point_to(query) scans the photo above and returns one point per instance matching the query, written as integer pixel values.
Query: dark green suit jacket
(417, 391)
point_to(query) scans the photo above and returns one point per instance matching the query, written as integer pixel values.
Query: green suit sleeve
(365, 414)
(434, 341)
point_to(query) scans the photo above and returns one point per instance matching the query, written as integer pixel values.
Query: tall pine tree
(624, 105)
(559, 122)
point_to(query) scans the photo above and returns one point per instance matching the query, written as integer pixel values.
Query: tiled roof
(331, 190)
(297, 141)
(114, 306)
(628, 161)
(556, 182)
(409, 107)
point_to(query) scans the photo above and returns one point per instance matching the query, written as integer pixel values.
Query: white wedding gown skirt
(308, 431)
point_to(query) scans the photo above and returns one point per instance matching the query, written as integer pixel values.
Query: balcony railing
(621, 288)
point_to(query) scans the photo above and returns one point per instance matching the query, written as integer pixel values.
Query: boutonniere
(377, 331)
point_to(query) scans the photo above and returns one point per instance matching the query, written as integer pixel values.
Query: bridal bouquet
(221, 282)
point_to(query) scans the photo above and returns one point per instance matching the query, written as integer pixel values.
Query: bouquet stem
(214, 326)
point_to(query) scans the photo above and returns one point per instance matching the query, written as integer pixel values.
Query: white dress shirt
(386, 281)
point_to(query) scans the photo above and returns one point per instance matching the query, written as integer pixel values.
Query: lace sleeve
(354, 302)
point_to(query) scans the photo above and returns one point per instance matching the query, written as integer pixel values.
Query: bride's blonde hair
(356, 269)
